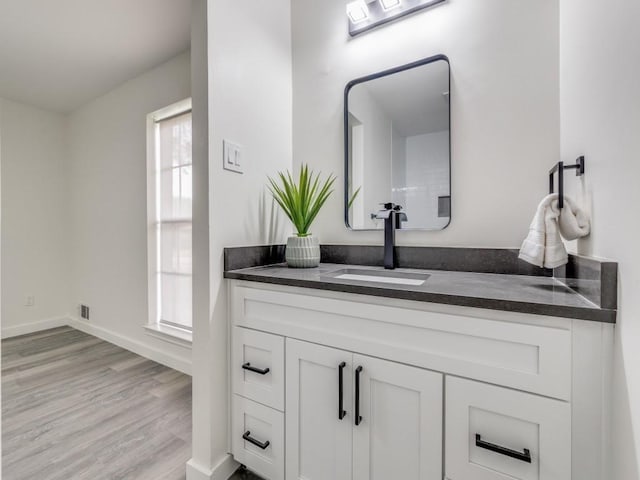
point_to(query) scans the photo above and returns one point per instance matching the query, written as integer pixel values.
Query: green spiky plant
(301, 200)
(353, 198)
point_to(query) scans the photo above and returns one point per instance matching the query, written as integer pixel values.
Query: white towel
(543, 246)
(573, 221)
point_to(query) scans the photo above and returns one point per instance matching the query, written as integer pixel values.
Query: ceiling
(60, 54)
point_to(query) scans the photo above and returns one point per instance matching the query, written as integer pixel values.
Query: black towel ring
(560, 167)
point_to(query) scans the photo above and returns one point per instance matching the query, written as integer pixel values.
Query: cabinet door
(400, 433)
(318, 442)
(493, 433)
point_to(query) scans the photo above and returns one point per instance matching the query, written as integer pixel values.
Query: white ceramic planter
(302, 252)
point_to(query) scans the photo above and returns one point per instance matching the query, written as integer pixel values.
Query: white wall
(504, 94)
(249, 103)
(108, 228)
(200, 465)
(398, 162)
(35, 251)
(600, 112)
(1, 303)
(427, 176)
(375, 161)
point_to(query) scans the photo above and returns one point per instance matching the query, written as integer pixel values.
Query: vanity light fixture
(365, 15)
(357, 11)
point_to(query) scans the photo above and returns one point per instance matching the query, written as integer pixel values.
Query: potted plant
(301, 200)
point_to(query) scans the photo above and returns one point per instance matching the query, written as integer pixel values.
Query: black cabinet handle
(358, 417)
(341, 411)
(247, 436)
(259, 371)
(524, 456)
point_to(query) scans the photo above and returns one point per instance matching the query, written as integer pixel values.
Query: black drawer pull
(341, 410)
(522, 456)
(358, 418)
(247, 436)
(247, 366)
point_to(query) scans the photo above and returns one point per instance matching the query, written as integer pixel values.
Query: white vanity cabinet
(336, 386)
(354, 416)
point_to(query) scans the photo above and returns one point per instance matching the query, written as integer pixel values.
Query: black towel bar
(560, 167)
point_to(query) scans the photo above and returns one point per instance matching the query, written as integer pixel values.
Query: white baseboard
(32, 327)
(139, 348)
(222, 471)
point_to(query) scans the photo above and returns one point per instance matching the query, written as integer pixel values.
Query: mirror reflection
(397, 146)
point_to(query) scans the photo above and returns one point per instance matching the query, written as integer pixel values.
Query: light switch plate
(231, 157)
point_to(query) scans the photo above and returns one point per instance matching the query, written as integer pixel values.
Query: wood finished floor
(77, 408)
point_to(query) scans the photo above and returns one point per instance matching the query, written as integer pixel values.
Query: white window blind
(173, 220)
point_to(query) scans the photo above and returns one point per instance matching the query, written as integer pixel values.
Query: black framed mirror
(397, 145)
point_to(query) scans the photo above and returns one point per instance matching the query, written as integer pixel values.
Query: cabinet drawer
(257, 367)
(257, 437)
(493, 433)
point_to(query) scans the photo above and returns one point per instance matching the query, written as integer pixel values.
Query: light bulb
(389, 4)
(357, 11)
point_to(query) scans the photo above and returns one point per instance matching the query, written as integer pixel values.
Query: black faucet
(393, 218)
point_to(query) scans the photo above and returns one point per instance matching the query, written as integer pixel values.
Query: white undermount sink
(381, 276)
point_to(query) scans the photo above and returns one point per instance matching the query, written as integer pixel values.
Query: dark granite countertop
(533, 294)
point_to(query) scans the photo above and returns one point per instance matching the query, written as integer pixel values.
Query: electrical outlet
(29, 301)
(84, 312)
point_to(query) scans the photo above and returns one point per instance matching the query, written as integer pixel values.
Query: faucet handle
(391, 206)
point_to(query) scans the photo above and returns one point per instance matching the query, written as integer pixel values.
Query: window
(170, 219)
